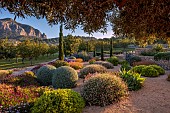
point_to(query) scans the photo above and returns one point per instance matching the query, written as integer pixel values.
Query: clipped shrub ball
(44, 74)
(114, 60)
(149, 72)
(160, 70)
(59, 101)
(107, 65)
(133, 80)
(28, 78)
(60, 63)
(90, 69)
(64, 77)
(138, 69)
(103, 89)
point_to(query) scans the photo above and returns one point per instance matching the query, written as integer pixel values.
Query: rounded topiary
(44, 74)
(103, 89)
(108, 65)
(59, 101)
(64, 77)
(90, 69)
(160, 70)
(138, 69)
(149, 72)
(60, 63)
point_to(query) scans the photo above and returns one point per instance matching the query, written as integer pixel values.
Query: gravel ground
(154, 97)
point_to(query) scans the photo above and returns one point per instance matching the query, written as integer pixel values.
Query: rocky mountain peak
(11, 29)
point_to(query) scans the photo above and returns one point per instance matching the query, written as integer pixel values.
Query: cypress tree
(61, 47)
(102, 54)
(111, 47)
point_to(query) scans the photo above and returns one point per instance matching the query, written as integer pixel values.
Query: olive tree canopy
(139, 18)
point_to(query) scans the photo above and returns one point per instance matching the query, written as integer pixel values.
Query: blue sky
(51, 31)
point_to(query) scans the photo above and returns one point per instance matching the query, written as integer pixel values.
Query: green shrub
(148, 53)
(103, 89)
(149, 72)
(124, 62)
(44, 74)
(92, 61)
(64, 77)
(90, 69)
(60, 63)
(138, 69)
(160, 70)
(28, 78)
(125, 67)
(133, 80)
(107, 65)
(114, 60)
(59, 101)
(162, 56)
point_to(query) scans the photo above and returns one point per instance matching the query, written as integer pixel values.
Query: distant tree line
(25, 49)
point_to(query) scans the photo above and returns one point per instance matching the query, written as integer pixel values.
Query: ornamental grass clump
(44, 74)
(107, 65)
(103, 89)
(90, 69)
(59, 101)
(64, 77)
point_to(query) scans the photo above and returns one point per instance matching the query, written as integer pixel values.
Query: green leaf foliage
(133, 80)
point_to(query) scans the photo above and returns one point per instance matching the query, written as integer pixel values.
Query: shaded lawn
(4, 64)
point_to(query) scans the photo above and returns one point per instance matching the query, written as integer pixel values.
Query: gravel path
(154, 97)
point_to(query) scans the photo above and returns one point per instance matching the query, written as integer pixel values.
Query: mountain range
(14, 30)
